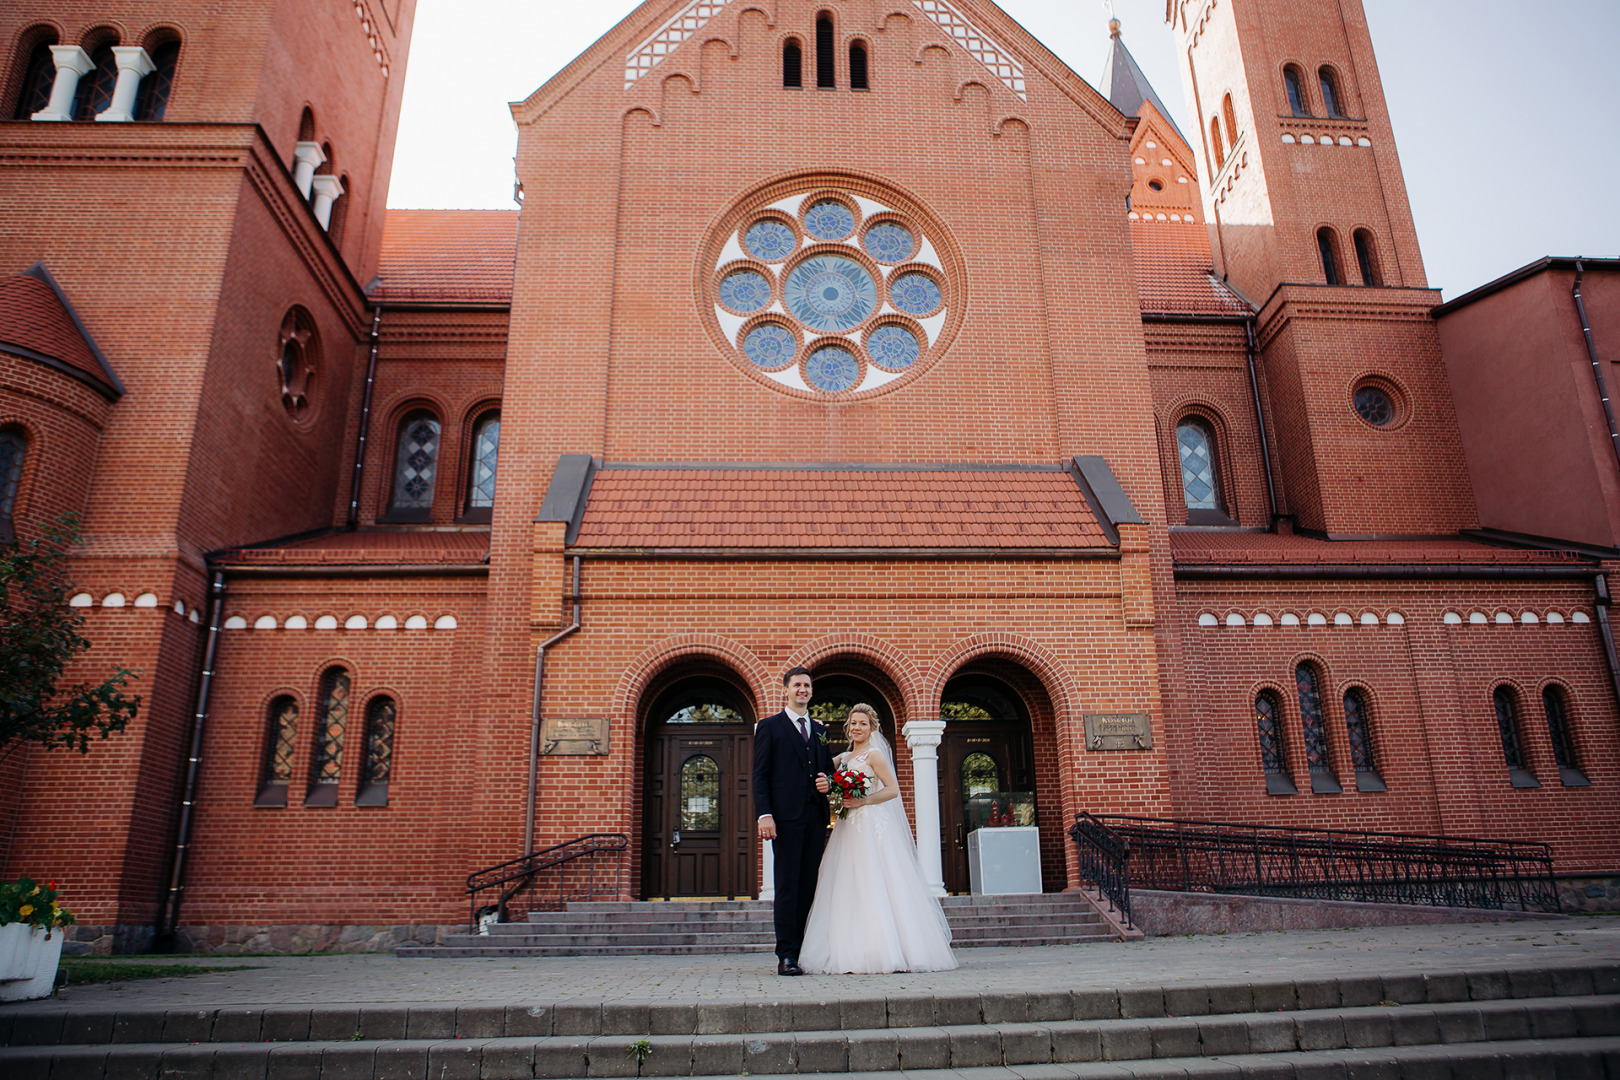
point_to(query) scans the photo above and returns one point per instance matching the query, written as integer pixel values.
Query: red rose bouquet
(850, 784)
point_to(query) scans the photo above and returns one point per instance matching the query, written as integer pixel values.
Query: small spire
(1113, 29)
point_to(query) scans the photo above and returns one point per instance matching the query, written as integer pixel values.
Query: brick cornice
(1342, 303)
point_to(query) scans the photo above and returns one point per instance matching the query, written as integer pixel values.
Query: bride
(873, 909)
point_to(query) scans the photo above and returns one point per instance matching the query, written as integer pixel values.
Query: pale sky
(1503, 111)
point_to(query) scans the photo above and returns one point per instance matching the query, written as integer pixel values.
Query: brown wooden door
(698, 836)
(964, 770)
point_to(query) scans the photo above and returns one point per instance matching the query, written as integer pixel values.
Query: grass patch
(81, 972)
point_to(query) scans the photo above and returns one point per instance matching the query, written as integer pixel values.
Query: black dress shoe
(784, 966)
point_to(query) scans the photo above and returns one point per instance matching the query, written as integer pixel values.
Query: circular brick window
(831, 286)
(1378, 403)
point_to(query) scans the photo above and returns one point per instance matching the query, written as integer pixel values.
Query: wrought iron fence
(585, 868)
(1331, 864)
(1104, 861)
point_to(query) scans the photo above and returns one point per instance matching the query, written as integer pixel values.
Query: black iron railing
(520, 887)
(1104, 861)
(1331, 864)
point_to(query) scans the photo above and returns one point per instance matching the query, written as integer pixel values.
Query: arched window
(1556, 706)
(1268, 721)
(1231, 121)
(96, 89)
(380, 716)
(1358, 723)
(1200, 476)
(1507, 726)
(1327, 245)
(1330, 92)
(1366, 259)
(280, 740)
(326, 765)
(1323, 781)
(39, 76)
(1215, 144)
(415, 467)
(857, 67)
(13, 448)
(792, 64)
(486, 445)
(1294, 84)
(152, 100)
(824, 52)
(306, 125)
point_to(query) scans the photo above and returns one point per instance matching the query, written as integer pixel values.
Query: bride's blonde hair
(869, 712)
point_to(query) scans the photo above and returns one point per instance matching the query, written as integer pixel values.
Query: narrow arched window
(39, 76)
(13, 448)
(379, 768)
(1231, 120)
(792, 64)
(486, 446)
(857, 67)
(326, 765)
(824, 52)
(152, 100)
(1366, 259)
(1330, 92)
(1507, 727)
(1200, 476)
(96, 89)
(1556, 706)
(1294, 84)
(306, 125)
(1268, 722)
(1323, 780)
(1328, 248)
(1215, 146)
(1358, 724)
(415, 466)
(280, 740)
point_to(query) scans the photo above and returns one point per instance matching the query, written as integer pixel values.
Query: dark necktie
(804, 728)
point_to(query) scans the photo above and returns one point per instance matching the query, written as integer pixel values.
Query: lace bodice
(860, 764)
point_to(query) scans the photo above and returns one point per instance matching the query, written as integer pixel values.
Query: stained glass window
(707, 712)
(831, 369)
(1310, 712)
(1507, 724)
(380, 716)
(770, 345)
(700, 795)
(893, 347)
(38, 80)
(1374, 406)
(829, 219)
(152, 100)
(96, 88)
(486, 450)
(1268, 719)
(1552, 700)
(769, 240)
(830, 294)
(745, 292)
(1355, 721)
(326, 764)
(12, 450)
(1197, 450)
(281, 741)
(417, 463)
(915, 294)
(889, 242)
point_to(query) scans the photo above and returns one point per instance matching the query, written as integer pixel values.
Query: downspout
(1591, 351)
(1600, 585)
(1260, 423)
(169, 912)
(534, 718)
(353, 521)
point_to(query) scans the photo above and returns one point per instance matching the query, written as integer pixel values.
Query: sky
(1503, 111)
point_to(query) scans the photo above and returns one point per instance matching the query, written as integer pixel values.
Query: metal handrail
(519, 874)
(1104, 861)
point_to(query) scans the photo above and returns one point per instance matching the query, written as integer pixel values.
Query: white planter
(28, 961)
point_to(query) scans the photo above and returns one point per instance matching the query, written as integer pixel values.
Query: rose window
(824, 291)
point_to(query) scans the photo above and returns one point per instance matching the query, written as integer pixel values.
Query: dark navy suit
(785, 768)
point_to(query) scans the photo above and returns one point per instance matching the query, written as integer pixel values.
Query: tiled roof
(448, 256)
(821, 508)
(35, 317)
(1173, 271)
(368, 548)
(1231, 549)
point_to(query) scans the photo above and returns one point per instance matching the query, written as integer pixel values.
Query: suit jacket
(785, 768)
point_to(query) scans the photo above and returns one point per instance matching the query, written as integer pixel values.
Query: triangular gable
(38, 322)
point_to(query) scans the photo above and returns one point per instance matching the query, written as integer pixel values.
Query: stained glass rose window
(830, 294)
(829, 219)
(890, 242)
(745, 292)
(915, 294)
(832, 369)
(770, 345)
(893, 347)
(769, 240)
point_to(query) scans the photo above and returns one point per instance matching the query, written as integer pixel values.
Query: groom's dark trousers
(785, 768)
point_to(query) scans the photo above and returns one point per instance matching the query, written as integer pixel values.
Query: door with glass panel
(988, 748)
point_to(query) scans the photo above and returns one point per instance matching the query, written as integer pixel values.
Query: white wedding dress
(873, 910)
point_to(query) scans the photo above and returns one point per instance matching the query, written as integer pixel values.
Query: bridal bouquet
(850, 784)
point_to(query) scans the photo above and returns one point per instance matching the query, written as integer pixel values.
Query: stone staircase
(1557, 1021)
(679, 927)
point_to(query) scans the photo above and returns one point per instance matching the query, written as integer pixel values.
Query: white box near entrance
(1004, 861)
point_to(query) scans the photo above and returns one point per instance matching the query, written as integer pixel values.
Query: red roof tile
(33, 317)
(829, 508)
(448, 256)
(369, 547)
(1173, 271)
(1228, 549)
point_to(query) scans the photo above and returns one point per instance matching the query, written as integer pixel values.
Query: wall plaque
(574, 735)
(1118, 731)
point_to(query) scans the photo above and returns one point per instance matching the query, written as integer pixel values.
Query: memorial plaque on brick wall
(560, 735)
(1118, 731)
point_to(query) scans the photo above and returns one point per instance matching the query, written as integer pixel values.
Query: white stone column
(133, 66)
(326, 189)
(767, 872)
(307, 157)
(72, 63)
(923, 737)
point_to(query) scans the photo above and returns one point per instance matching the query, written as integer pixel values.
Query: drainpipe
(534, 718)
(169, 912)
(1591, 352)
(1600, 585)
(365, 424)
(1260, 423)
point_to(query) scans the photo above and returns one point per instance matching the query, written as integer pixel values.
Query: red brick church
(1136, 468)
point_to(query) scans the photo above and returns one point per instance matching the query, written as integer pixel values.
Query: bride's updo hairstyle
(870, 714)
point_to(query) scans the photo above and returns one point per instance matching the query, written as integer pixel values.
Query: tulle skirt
(873, 910)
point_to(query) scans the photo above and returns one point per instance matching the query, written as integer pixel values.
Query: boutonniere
(821, 737)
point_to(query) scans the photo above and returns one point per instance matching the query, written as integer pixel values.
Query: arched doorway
(697, 807)
(988, 747)
(837, 691)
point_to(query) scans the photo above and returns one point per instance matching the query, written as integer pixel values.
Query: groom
(791, 770)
